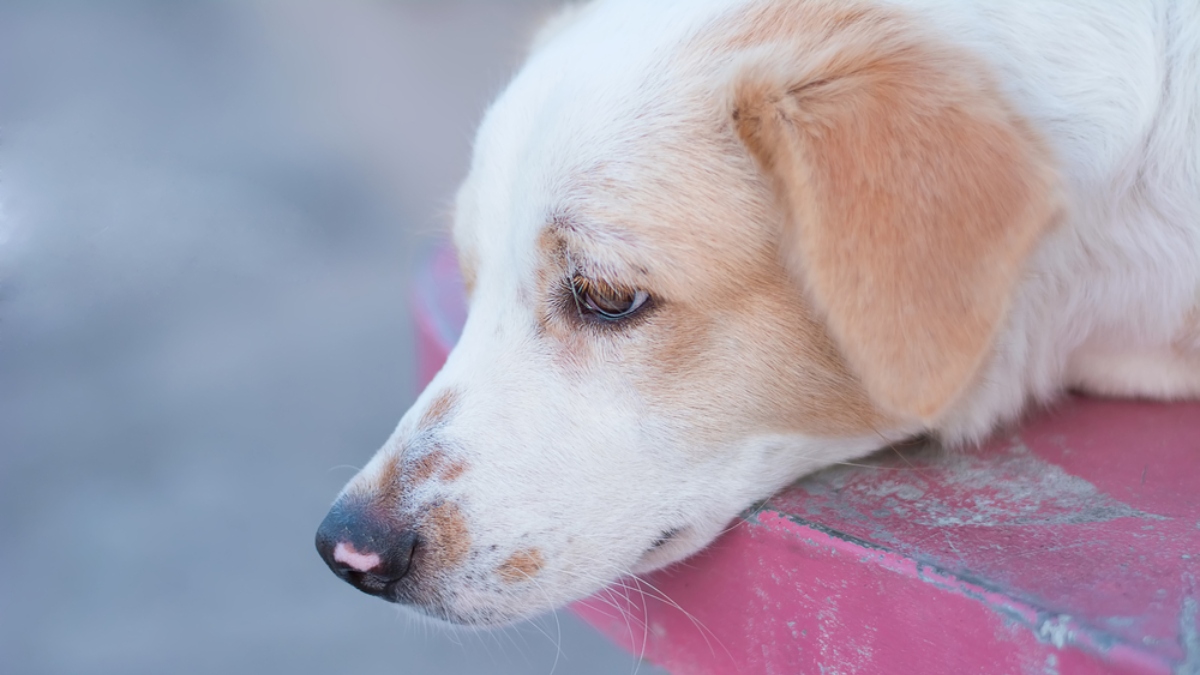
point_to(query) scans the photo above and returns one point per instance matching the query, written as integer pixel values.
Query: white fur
(578, 467)
(1116, 93)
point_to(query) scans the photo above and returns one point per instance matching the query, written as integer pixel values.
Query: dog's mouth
(670, 545)
(665, 537)
(372, 584)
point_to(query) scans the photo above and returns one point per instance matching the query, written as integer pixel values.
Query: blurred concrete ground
(208, 217)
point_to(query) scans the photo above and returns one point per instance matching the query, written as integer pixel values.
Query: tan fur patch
(726, 318)
(382, 487)
(765, 345)
(424, 467)
(466, 269)
(389, 472)
(439, 408)
(451, 472)
(552, 251)
(520, 566)
(464, 247)
(445, 528)
(572, 354)
(435, 463)
(914, 193)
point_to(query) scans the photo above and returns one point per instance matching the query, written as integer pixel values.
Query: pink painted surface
(439, 311)
(1071, 545)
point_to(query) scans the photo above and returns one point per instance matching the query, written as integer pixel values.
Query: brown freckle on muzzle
(520, 566)
(384, 485)
(422, 468)
(446, 529)
(433, 464)
(392, 487)
(452, 471)
(439, 408)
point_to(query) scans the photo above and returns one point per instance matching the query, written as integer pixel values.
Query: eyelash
(584, 291)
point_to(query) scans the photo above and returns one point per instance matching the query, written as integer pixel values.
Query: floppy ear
(913, 197)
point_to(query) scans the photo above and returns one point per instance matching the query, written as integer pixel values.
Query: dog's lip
(374, 584)
(666, 536)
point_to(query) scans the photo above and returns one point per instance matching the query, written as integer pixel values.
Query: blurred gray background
(209, 214)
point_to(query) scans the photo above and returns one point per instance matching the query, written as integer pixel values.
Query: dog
(711, 246)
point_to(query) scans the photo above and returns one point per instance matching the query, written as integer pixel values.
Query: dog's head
(705, 256)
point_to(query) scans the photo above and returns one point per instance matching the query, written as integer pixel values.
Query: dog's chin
(486, 619)
(475, 617)
(484, 608)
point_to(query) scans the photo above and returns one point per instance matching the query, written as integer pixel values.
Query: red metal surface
(1069, 546)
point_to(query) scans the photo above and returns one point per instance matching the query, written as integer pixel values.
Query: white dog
(713, 245)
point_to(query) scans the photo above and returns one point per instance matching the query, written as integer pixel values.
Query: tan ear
(914, 196)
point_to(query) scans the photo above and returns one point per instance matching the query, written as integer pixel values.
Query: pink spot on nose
(363, 562)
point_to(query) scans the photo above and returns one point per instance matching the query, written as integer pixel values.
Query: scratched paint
(1012, 486)
(1189, 633)
(858, 618)
(1018, 517)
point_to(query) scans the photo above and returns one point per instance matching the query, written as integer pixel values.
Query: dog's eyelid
(604, 301)
(580, 266)
(602, 293)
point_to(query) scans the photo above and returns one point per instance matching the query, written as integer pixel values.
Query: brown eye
(605, 302)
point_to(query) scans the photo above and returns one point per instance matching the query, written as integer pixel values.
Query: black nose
(365, 548)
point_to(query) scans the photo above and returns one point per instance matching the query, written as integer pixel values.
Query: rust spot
(438, 409)
(520, 566)
(445, 529)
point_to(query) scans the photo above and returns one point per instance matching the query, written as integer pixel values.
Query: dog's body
(716, 244)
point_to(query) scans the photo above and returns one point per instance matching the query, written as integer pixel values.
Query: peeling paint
(1011, 488)
(1189, 636)
(1056, 630)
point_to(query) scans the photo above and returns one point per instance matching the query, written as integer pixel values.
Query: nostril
(371, 572)
(346, 556)
(396, 562)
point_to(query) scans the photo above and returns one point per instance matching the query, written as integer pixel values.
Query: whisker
(705, 631)
(339, 467)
